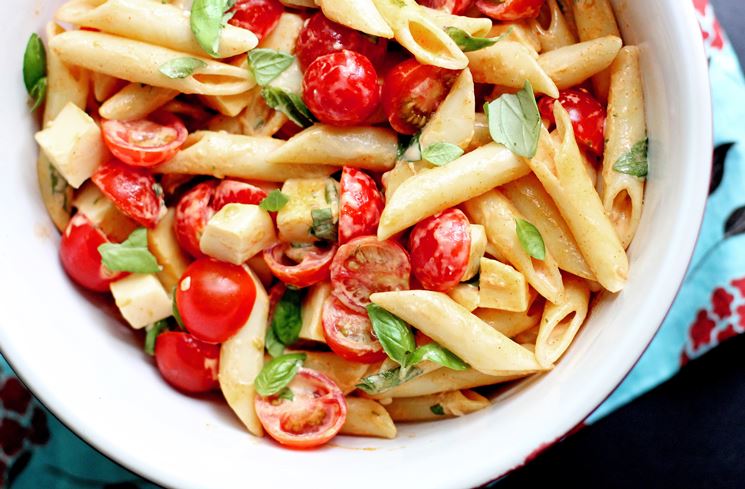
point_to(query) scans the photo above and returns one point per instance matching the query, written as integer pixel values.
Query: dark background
(687, 433)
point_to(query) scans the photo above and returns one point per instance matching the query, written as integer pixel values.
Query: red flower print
(710, 27)
(701, 329)
(39, 432)
(14, 396)
(722, 302)
(741, 313)
(12, 435)
(684, 359)
(739, 285)
(726, 333)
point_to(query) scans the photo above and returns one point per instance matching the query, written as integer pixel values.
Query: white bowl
(92, 374)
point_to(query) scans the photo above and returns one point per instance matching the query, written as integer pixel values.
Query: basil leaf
(468, 43)
(274, 201)
(179, 68)
(34, 62)
(441, 153)
(286, 394)
(39, 93)
(287, 321)
(129, 256)
(635, 161)
(388, 379)
(394, 335)
(278, 373)
(176, 313)
(437, 409)
(290, 104)
(514, 120)
(324, 227)
(208, 18)
(268, 64)
(153, 331)
(436, 353)
(530, 239)
(272, 344)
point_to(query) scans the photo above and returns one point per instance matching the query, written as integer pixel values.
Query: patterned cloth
(37, 451)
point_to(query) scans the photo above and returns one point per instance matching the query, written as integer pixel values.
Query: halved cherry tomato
(341, 88)
(440, 246)
(235, 192)
(322, 36)
(80, 257)
(145, 142)
(365, 266)
(215, 299)
(313, 265)
(258, 16)
(349, 333)
(509, 10)
(412, 92)
(456, 7)
(133, 191)
(587, 115)
(360, 205)
(313, 416)
(186, 363)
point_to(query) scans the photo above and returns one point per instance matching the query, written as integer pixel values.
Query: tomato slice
(145, 142)
(456, 7)
(235, 192)
(360, 205)
(133, 191)
(193, 212)
(587, 115)
(365, 266)
(80, 257)
(258, 16)
(412, 92)
(186, 363)
(313, 416)
(509, 10)
(313, 265)
(349, 334)
(440, 246)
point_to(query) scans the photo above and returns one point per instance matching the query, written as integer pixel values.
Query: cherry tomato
(235, 192)
(133, 191)
(440, 246)
(456, 7)
(412, 92)
(360, 205)
(312, 268)
(508, 10)
(80, 257)
(215, 299)
(145, 142)
(341, 88)
(313, 416)
(587, 115)
(365, 266)
(322, 36)
(186, 363)
(258, 16)
(349, 333)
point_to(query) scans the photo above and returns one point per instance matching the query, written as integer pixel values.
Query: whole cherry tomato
(313, 265)
(349, 333)
(186, 363)
(133, 191)
(235, 192)
(258, 16)
(341, 88)
(587, 115)
(456, 7)
(509, 10)
(145, 142)
(360, 205)
(80, 257)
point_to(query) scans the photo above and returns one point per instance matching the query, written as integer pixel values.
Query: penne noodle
(466, 295)
(568, 11)
(136, 101)
(572, 65)
(311, 312)
(227, 155)
(139, 62)
(152, 22)
(475, 27)
(258, 119)
(361, 15)
(459, 105)
(511, 323)
(560, 322)
(163, 244)
(284, 36)
(299, 3)
(623, 195)
(229, 105)
(502, 287)
(520, 32)
(430, 192)
(104, 86)
(436, 406)
(400, 173)
(481, 134)
(594, 19)
(344, 373)
(558, 33)
(366, 417)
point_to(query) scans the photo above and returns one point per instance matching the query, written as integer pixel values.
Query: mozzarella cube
(102, 212)
(502, 287)
(162, 243)
(73, 144)
(141, 299)
(295, 219)
(312, 312)
(237, 233)
(478, 248)
(466, 295)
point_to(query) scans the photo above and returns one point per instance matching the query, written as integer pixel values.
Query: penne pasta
(362, 15)
(311, 312)
(466, 295)
(481, 134)
(560, 322)
(344, 373)
(502, 287)
(136, 101)
(284, 36)
(511, 323)
(104, 86)
(558, 33)
(366, 417)
(521, 32)
(229, 105)
(475, 27)
(571, 65)
(163, 244)
(459, 105)
(258, 119)
(436, 406)
(594, 19)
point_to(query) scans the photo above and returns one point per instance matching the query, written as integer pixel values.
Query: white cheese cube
(73, 144)
(466, 295)
(237, 233)
(102, 212)
(478, 248)
(312, 312)
(295, 219)
(141, 299)
(502, 287)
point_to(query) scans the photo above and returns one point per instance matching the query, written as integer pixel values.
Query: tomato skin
(193, 212)
(215, 299)
(258, 16)
(314, 416)
(80, 257)
(322, 36)
(145, 142)
(341, 88)
(456, 7)
(587, 115)
(412, 92)
(440, 246)
(132, 190)
(349, 334)
(509, 10)
(360, 205)
(186, 363)
(235, 192)
(313, 268)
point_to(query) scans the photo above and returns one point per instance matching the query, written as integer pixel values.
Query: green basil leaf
(272, 344)
(208, 18)
(268, 64)
(274, 201)
(394, 334)
(34, 62)
(437, 409)
(290, 104)
(441, 153)
(436, 353)
(530, 239)
(176, 313)
(324, 227)
(129, 256)
(287, 320)
(39, 93)
(278, 373)
(153, 331)
(514, 121)
(468, 43)
(635, 161)
(388, 379)
(178, 68)
(286, 394)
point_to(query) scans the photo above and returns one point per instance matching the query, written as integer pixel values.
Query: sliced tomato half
(312, 267)
(349, 333)
(145, 142)
(133, 191)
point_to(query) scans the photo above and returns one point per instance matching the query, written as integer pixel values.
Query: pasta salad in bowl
(335, 217)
